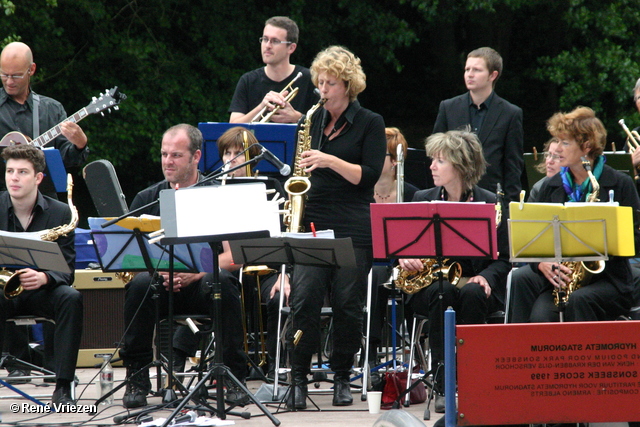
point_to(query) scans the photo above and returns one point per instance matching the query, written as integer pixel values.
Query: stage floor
(327, 415)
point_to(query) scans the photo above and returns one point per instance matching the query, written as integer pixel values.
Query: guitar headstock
(106, 101)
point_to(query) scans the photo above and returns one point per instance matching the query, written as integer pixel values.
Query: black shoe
(342, 392)
(439, 404)
(297, 398)
(236, 395)
(138, 387)
(62, 396)
(15, 375)
(271, 375)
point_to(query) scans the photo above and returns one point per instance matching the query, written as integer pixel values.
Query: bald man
(18, 103)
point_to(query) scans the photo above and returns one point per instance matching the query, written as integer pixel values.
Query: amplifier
(103, 298)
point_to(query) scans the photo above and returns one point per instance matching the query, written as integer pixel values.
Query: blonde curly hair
(340, 63)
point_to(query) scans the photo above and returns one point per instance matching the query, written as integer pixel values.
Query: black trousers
(532, 300)
(470, 303)
(194, 299)
(63, 304)
(346, 288)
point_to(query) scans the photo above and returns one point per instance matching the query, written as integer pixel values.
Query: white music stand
(214, 214)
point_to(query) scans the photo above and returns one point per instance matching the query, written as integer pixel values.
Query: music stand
(26, 250)
(433, 230)
(223, 224)
(319, 252)
(125, 247)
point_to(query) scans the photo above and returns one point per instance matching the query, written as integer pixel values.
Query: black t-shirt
(254, 85)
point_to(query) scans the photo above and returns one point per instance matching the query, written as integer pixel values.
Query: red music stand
(433, 230)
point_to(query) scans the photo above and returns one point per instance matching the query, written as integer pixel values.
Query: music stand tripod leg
(219, 371)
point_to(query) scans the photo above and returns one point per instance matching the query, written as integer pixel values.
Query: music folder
(572, 230)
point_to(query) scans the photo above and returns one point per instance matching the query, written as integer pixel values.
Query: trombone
(264, 116)
(633, 137)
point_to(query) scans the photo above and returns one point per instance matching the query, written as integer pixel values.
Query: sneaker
(15, 376)
(236, 396)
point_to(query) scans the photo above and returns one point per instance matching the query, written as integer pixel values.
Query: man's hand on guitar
(74, 134)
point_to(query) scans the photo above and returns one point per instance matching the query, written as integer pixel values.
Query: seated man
(46, 293)
(181, 151)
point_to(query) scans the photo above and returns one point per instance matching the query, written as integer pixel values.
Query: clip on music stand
(126, 248)
(18, 251)
(319, 252)
(433, 230)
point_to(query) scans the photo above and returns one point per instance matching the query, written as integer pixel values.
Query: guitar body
(14, 138)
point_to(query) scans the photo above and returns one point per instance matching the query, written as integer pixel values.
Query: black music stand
(433, 230)
(121, 249)
(18, 251)
(218, 371)
(319, 252)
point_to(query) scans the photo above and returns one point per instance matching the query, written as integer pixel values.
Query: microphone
(189, 417)
(271, 158)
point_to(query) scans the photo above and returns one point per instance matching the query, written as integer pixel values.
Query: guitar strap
(36, 115)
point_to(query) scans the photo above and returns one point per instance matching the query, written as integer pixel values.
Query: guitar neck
(46, 138)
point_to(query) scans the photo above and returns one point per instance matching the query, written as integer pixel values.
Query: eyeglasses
(553, 157)
(5, 77)
(274, 42)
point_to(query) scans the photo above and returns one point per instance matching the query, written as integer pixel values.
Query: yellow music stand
(569, 232)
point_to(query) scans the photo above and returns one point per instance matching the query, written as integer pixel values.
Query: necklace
(381, 197)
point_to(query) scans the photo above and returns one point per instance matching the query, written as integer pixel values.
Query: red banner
(548, 373)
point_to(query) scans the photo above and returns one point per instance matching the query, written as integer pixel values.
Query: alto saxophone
(411, 282)
(298, 185)
(9, 281)
(581, 271)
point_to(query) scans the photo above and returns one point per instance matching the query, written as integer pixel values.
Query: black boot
(342, 389)
(137, 389)
(297, 398)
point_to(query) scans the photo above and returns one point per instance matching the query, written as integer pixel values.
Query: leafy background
(179, 61)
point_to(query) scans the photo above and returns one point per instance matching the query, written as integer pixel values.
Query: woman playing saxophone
(608, 294)
(457, 163)
(345, 160)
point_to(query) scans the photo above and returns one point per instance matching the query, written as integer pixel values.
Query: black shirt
(47, 214)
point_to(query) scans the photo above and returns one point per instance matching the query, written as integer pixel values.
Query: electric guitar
(106, 101)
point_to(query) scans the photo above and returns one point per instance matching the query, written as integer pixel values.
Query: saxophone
(298, 185)
(9, 281)
(581, 271)
(411, 282)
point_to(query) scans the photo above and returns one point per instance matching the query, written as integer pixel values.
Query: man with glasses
(19, 105)
(261, 87)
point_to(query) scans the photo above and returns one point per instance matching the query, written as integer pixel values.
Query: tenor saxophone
(581, 271)
(10, 281)
(298, 185)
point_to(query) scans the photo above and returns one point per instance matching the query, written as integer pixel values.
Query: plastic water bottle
(106, 380)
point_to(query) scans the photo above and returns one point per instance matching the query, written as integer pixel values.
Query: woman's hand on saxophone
(410, 264)
(314, 159)
(555, 273)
